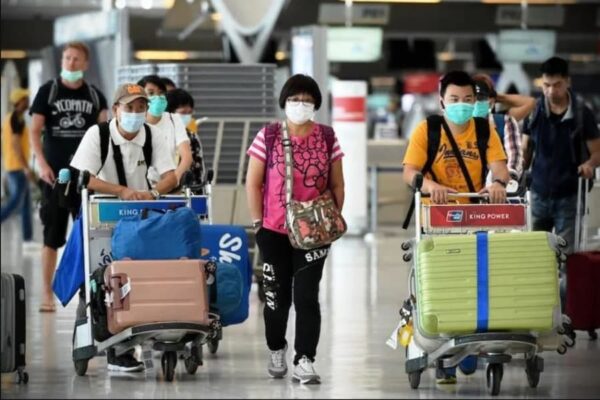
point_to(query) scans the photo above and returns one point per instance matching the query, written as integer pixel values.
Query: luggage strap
(482, 282)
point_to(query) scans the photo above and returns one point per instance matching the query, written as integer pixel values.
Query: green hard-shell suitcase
(486, 283)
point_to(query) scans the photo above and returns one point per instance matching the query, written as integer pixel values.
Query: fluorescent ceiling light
(397, 1)
(216, 17)
(529, 2)
(13, 54)
(161, 55)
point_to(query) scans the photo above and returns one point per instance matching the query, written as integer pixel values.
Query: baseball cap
(128, 92)
(18, 94)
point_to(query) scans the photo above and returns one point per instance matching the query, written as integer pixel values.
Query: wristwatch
(256, 224)
(155, 193)
(500, 181)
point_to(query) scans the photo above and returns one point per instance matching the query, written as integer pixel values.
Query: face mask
(459, 113)
(186, 118)
(158, 105)
(481, 109)
(299, 113)
(132, 122)
(71, 76)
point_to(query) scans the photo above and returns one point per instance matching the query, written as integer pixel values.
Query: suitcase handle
(116, 282)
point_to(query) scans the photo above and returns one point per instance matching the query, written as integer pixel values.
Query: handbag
(69, 275)
(313, 223)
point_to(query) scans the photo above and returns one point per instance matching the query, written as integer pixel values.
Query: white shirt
(173, 131)
(87, 156)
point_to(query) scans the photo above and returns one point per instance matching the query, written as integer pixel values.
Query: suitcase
(583, 298)
(153, 291)
(486, 282)
(13, 325)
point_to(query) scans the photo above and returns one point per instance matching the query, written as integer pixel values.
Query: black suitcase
(13, 326)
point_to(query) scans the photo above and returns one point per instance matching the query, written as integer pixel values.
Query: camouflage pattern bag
(313, 223)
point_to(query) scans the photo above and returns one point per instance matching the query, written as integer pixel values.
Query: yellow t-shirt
(446, 167)
(11, 161)
(192, 126)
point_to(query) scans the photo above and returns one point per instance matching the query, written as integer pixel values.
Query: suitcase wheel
(533, 372)
(494, 378)
(194, 360)
(22, 377)
(168, 363)
(407, 257)
(593, 335)
(213, 345)
(81, 367)
(414, 378)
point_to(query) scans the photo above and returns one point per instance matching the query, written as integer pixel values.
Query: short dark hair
(178, 98)
(167, 82)
(555, 66)
(458, 78)
(154, 79)
(298, 84)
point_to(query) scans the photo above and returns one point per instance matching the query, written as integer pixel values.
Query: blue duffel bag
(158, 235)
(227, 291)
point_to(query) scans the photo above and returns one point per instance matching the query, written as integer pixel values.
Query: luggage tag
(126, 288)
(147, 360)
(393, 339)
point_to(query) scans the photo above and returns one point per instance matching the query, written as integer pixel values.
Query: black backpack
(92, 91)
(434, 138)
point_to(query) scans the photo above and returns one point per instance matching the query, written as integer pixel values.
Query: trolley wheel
(194, 360)
(494, 377)
(22, 377)
(532, 371)
(190, 366)
(562, 349)
(405, 246)
(261, 291)
(213, 345)
(593, 335)
(407, 257)
(414, 378)
(81, 366)
(168, 363)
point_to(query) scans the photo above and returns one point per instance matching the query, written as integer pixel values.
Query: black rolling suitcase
(13, 326)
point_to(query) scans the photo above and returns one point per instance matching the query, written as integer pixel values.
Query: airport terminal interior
(379, 66)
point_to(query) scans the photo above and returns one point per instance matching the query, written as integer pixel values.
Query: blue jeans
(558, 214)
(19, 197)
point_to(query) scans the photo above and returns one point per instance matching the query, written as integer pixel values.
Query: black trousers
(291, 273)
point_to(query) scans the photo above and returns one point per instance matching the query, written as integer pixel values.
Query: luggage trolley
(99, 215)
(495, 348)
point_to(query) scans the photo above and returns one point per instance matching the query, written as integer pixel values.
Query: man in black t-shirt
(64, 108)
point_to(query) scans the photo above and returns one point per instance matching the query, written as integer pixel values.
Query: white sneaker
(277, 363)
(305, 372)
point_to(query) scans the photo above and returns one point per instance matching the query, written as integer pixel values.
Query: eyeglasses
(303, 102)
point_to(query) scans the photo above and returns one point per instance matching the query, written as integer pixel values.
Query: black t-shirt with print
(67, 119)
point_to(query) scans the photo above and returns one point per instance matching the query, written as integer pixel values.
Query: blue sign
(112, 211)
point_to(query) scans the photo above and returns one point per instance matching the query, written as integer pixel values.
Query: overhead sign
(365, 14)
(537, 16)
(354, 44)
(86, 26)
(526, 45)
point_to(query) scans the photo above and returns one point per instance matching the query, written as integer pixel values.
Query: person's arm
(527, 145)
(512, 145)
(185, 154)
(496, 190)
(254, 188)
(586, 169)
(336, 183)
(168, 181)
(519, 106)
(103, 116)
(438, 193)
(124, 193)
(37, 124)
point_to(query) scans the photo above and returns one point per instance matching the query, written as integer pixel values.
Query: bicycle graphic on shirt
(69, 120)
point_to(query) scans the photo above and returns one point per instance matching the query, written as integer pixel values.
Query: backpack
(104, 132)
(434, 137)
(91, 90)
(499, 122)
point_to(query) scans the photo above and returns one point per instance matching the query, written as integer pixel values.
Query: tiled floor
(362, 290)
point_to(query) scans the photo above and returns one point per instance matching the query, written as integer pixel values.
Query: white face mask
(299, 113)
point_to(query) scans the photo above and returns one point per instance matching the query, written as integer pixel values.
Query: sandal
(47, 308)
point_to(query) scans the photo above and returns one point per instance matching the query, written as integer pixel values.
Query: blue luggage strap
(482, 282)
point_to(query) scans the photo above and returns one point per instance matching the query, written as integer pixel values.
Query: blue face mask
(132, 122)
(71, 76)
(157, 106)
(459, 113)
(186, 118)
(481, 109)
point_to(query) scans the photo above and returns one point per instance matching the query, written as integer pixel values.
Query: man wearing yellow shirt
(445, 175)
(15, 154)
